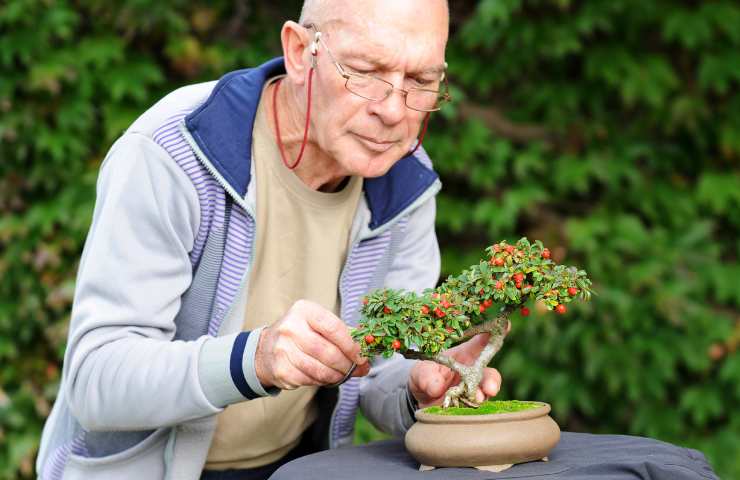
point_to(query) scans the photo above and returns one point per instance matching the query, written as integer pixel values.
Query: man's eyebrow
(378, 62)
(439, 70)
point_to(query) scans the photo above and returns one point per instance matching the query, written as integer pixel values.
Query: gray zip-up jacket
(155, 350)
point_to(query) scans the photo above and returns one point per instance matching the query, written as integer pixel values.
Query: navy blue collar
(222, 128)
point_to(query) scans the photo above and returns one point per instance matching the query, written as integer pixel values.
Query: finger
(316, 346)
(432, 383)
(319, 373)
(333, 329)
(477, 342)
(418, 379)
(361, 370)
(427, 371)
(287, 376)
(467, 352)
(491, 382)
(480, 397)
(450, 377)
(437, 386)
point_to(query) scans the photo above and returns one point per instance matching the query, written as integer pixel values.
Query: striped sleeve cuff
(227, 371)
(248, 367)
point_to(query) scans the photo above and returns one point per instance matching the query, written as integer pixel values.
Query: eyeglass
(376, 89)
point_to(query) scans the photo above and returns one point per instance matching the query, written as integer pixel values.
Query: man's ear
(295, 39)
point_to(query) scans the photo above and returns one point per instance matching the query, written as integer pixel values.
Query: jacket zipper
(429, 192)
(169, 451)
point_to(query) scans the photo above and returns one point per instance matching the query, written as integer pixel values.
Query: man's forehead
(376, 43)
(381, 62)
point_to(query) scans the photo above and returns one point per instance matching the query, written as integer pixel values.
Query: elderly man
(237, 225)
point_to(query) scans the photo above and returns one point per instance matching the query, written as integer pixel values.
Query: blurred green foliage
(610, 129)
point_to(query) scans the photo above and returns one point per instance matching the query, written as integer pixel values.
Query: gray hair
(313, 11)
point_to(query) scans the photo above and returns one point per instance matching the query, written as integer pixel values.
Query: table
(578, 456)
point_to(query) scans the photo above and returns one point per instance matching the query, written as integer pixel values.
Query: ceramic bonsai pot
(493, 442)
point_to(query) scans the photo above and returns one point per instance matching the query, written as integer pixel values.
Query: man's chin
(373, 166)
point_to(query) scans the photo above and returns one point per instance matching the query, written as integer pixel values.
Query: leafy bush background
(610, 129)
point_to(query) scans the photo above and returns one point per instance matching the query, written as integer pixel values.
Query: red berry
(481, 308)
(424, 310)
(498, 262)
(561, 309)
(546, 253)
(364, 301)
(519, 277)
(450, 329)
(487, 302)
(369, 339)
(435, 295)
(509, 249)
(497, 248)
(525, 312)
(518, 284)
(439, 313)
(386, 310)
(481, 292)
(499, 285)
(572, 291)
(445, 304)
(396, 344)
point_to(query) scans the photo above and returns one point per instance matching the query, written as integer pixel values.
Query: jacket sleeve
(123, 371)
(384, 396)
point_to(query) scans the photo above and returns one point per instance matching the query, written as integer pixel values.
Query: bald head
(313, 11)
(324, 12)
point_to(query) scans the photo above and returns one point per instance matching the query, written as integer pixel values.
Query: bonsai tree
(424, 326)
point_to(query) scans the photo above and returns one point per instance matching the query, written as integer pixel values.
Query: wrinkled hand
(308, 346)
(428, 381)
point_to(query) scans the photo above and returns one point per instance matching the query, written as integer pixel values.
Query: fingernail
(480, 396)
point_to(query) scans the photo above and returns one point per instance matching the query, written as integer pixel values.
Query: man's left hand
(429, 380)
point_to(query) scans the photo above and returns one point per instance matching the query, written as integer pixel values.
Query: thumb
(471, 349)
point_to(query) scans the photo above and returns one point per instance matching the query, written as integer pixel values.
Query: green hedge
(610, 129)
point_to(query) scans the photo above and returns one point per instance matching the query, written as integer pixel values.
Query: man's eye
(361, 71)
(421, 81)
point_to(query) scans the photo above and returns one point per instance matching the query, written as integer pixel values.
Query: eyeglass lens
(376, 89)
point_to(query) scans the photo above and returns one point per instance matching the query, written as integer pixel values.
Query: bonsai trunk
(471, 375)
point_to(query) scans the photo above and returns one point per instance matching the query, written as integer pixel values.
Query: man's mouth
(373, 144)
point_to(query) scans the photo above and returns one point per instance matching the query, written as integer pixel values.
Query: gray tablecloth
(578, 456)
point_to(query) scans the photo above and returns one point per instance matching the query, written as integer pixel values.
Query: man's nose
(392, 109)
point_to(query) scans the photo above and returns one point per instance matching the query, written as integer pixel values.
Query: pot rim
(540, 411)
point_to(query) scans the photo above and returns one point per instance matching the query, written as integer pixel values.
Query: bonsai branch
(494, 326)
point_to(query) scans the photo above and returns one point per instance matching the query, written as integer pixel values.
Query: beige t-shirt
(301, 245)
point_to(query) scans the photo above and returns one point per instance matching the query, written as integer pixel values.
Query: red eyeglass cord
(308, 118)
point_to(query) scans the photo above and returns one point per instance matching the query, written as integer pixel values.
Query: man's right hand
(308, 346)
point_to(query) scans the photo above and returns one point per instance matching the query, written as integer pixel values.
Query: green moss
(487, 407)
